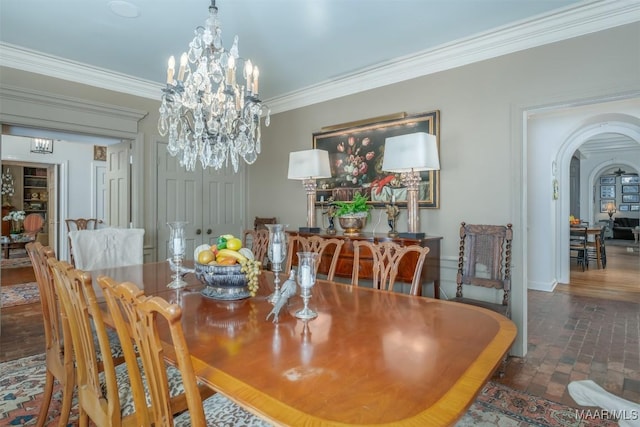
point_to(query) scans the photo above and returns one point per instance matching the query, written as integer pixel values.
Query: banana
(228, 253)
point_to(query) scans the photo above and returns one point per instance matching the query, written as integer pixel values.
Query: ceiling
(308, 51)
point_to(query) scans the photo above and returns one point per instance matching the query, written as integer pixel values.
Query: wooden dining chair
(98, 389)
(259, 222)
(32, 225)
(258, 242)
(136, 316)
(58, 357)
(484, 260)
(578, 246)
(387, 257)
(106, 391)
(318, 245)
(80, 224)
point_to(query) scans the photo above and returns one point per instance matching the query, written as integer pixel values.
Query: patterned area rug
(22, 382)
(17, 258)
(26, 293)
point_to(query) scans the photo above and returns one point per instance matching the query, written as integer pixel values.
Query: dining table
(369, 357)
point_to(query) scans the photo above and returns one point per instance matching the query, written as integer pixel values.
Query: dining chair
(58, 357)
(596, 247)
(99, 387)
(259, 223)
(484, 260)
(386, 258)
(317, 244)
(578, 250)
(258, 242)
(136, 316)
(80, 224)
(107, 247)
(32, 225)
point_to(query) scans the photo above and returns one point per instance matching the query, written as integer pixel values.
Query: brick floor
(575, 338)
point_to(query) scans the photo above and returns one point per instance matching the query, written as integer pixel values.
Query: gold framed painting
(356, 153)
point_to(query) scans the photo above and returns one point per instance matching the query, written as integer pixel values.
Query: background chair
(258, 223)
(387, 257)
(80, 224)
(578, 237)
(32, 225)
(485, 260)
(315, 244)
(107, 247)
(258, 242)
(135, 316)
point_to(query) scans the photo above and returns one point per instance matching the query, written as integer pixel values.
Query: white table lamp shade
(309, 164)
(414, 151)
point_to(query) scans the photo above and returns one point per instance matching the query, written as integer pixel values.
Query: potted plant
(353, 215)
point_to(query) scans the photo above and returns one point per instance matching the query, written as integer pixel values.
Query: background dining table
(370, 357)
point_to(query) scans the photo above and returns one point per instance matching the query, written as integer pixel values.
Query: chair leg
(46, 399)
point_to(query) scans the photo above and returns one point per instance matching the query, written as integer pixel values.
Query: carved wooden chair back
(80, 224)
(58, 358)
(98, 395)
(135, 316)
(387, 257)
(319, 245)
(485, 260)
(258, 223)
(315, 244)
(32, 225)
(258, 242)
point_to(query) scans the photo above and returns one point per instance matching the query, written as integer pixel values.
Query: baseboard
(542, 286)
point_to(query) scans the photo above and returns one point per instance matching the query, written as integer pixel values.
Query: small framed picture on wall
(631, 198)
(635, 208)
(100, 153)
(630, 189)
(608, 180)
(608, 191)
(623, 208)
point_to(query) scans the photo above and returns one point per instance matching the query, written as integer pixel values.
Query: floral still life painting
(356, 154)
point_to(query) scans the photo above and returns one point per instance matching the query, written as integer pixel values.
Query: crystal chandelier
(205, 112)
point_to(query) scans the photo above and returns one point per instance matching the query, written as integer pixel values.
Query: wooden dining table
(370, 357)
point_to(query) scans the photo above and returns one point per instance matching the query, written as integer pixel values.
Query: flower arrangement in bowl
(353, 215)
(16, 218)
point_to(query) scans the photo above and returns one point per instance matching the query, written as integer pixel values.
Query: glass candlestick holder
(277, 253)
(306, 280)
(177, 250)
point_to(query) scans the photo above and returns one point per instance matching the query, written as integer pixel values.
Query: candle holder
(277, 252)
(177, 250)
(306, 280)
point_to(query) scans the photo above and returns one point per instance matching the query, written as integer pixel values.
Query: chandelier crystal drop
(205, 112)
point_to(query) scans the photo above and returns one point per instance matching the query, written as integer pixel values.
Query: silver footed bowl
(223, 282)
(352, 224)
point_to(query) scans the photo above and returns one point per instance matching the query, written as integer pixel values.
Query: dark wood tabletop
(370, 357)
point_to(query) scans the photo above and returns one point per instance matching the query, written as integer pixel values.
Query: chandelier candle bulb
(170, 69)
(231, 70)
(183, 65)
(256, 73)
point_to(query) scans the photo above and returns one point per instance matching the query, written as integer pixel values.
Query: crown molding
(572, 21)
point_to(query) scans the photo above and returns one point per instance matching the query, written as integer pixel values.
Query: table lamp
(309, 165)
(408, 155)
(611, 209)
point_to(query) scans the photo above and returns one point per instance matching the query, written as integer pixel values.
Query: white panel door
(119, 185)
(212, 202)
